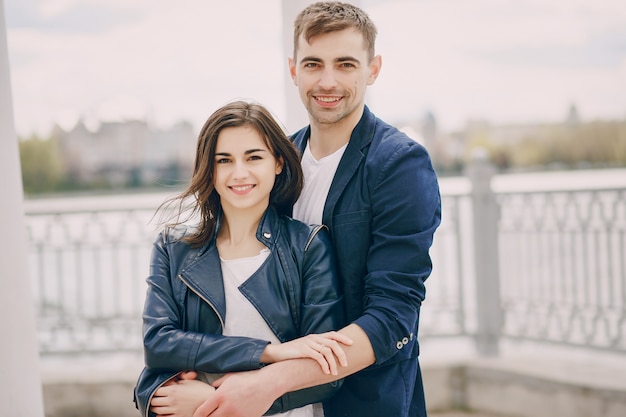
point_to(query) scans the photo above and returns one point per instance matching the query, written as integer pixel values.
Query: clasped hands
(185, 395)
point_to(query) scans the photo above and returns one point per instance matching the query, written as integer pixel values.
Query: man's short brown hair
(331, 16)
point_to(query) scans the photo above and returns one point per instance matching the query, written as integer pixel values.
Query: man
(376, 190)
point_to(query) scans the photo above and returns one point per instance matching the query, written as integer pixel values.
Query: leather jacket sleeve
(169, 348)
(148, 382)
(322, 302)
(168, 342)
(322, 310)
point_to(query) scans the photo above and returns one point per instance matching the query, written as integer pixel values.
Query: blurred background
(521, 104)
(111, 94)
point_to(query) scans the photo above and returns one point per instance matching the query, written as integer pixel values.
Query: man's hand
(324, 348)
(180, 397)
(241, 394)
(251, 393)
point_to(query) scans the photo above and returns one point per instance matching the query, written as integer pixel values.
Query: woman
(234, 283)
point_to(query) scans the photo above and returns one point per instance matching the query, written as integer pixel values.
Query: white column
(296, 116)
(21, 392)
(485, 214)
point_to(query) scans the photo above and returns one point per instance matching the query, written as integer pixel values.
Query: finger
(189, 375)
(172, 381)
(162, 413)
(330, 359)
(321, 359)
(157, 401)
(219, 381)
(205, 409)
(160, 410)
(163, 391)
(339, 353)
(339, 337)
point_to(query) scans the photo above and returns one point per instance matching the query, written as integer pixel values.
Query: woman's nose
(240, 170)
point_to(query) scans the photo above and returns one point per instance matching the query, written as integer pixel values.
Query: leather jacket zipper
(312, 235)
(180, 276)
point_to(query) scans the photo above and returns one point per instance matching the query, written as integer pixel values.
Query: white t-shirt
(242, 319)
(318, 176)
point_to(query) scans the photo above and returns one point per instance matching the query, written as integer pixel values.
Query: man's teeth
(328, 99)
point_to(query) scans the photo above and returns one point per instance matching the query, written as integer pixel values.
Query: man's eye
(311, 65)
(347, 65)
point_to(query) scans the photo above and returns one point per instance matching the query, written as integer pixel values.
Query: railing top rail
(560, 181)
(95, 203)
(518, 183)
(560, 190)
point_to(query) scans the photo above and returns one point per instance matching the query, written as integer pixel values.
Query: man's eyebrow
(347, 59)
(310, 58)
(338, 59)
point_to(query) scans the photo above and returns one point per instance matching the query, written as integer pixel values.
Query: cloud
(506, 61)
(180, 60)
(502, 60)
(68, 16)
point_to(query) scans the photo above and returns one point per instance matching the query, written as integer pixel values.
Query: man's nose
(327, 79)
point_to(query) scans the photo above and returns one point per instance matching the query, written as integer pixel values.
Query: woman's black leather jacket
(296, 290)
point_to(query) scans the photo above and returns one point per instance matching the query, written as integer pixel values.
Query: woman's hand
(181, 396)
(325, 348)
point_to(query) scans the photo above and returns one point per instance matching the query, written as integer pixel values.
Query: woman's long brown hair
(200, 200)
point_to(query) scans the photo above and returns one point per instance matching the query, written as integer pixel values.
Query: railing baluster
(555, 272)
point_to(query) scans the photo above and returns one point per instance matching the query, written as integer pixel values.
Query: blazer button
(399, 345)
(405, 340)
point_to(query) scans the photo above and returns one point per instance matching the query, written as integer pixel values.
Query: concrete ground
(529, 385)
(460, 414)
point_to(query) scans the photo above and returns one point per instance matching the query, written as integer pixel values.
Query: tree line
(596, 144)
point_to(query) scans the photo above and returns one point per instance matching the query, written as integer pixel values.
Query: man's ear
(292, 70)
(375, 64)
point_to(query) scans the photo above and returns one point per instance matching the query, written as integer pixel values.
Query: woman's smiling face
(245, 169)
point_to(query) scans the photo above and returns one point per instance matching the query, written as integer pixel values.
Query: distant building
(573, 118)
(128, 153)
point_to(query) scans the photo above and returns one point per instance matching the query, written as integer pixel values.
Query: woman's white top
(242, 319)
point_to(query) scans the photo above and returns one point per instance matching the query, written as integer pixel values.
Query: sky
(502, 61)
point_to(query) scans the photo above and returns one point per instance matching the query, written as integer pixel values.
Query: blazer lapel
(352, 158)
(350, 161)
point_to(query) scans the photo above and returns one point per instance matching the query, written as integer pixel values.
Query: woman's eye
(223, 160)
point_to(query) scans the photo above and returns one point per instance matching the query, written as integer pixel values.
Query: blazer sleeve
(406, 211)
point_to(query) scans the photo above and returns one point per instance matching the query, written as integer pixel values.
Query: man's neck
(326, 139)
